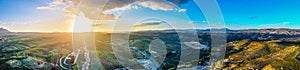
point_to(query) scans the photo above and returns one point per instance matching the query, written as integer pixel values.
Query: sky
(137, 15)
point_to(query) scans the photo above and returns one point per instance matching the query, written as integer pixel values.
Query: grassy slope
(265, 55)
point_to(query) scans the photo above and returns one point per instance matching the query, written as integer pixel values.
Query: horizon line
(143, 30)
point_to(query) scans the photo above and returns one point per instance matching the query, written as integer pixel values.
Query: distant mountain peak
(2, 30)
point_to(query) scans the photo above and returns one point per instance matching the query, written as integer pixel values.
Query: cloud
(56, 5)
(106, 17)
(90, 8)
(195, 22)
(118, 10)
(157, 5)
(115, 4)
(165, 5)
(153, 4)
(283, 24)
(45, 8)
(182, 10)
(152, 23)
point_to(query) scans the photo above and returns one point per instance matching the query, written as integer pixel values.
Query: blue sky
(51, 16)
(242, 14)
(267, 12)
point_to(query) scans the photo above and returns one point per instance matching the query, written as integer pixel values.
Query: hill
(264, 55)
(2, 30)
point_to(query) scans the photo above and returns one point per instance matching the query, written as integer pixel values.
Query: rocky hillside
(266, 55)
